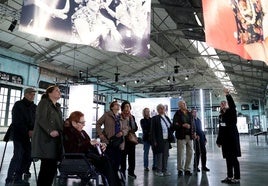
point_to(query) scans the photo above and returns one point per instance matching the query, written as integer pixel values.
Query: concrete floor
(253, 165)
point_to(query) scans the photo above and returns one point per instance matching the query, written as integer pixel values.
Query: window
(245, 107)
(8, 97)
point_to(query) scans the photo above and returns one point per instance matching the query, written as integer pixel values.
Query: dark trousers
(130, 152)
(48, 170)
(233, 167)
(114, 155)
(20, 160)
(104, 166)
(162, 158)
(200, 149)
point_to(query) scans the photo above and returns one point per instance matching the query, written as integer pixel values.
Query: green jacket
(48, 118)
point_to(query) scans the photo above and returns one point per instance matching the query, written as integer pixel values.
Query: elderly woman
(46, 140)
(114, 128)
(76, 140)
(129, 146)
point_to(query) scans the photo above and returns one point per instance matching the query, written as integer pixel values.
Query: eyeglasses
(82, 122)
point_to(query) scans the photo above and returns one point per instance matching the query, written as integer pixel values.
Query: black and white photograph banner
(113, 25)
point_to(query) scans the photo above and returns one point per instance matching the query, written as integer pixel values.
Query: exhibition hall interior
(146, 52)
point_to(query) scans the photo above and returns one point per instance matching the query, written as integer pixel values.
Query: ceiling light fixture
(116, 77)
(137, 81)
(80, 74)
(124, 84)
(13, 25)
(163, 65)
(168, 79)
(176, 69)
(186, 77)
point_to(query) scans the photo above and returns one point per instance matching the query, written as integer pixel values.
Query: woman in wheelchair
(76, 140)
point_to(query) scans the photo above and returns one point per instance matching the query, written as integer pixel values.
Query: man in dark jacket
(200, 144)
(228, 139)
(23, 118)
(160, 130)
(185, 133)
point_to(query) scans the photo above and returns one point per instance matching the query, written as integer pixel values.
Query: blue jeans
(20, 161)
(146, 148)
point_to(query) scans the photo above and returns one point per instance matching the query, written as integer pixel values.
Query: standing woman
(129, 146)
(113, 128)
(145, 123)
(46, 141)
(228, 139)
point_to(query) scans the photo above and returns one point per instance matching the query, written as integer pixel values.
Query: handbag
(132, 137)
(115, 141)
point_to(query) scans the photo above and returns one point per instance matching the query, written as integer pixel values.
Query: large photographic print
(112, 25)
(238, 26)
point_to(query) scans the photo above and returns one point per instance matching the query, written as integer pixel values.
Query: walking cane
(35, 174)
(6, 138)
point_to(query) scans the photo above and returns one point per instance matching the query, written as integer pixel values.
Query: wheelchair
(77, 166)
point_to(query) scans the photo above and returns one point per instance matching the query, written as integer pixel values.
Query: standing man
(185, 133)
(23, 118)
(200, 144)
(228, 139)
(145, 123)
(160, 130)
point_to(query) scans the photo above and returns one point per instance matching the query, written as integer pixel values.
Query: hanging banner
(238, 26)
(113, 25)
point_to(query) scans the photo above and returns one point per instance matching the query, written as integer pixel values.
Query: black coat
(145, 125)
(157, 134)
(228, 136)
(23, 118)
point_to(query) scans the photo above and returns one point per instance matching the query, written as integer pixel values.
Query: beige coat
(108, 120)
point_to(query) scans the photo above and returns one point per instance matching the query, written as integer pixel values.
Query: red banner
(238, 26)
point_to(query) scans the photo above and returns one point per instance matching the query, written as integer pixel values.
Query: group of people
(158, 133)
(41, 133)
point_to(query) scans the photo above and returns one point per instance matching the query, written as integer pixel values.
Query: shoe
(159, 174)
(132, 175)
(205, 169)
(188, 173)
(235, 181)
(146, 169)
(197, 169)
(154, 168)
(227, 180)
(167, 173)
(180, 173)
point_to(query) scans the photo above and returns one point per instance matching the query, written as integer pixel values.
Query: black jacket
(228, 136)
(157, 140)
(23, 118)
(178, 120)
(146, 126)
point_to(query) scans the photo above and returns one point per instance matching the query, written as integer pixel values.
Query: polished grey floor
(253, 165)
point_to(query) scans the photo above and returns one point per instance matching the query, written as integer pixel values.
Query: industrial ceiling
(175, 65)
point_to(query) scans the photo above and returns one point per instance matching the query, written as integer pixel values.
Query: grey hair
(181, 101)
(159, 105)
